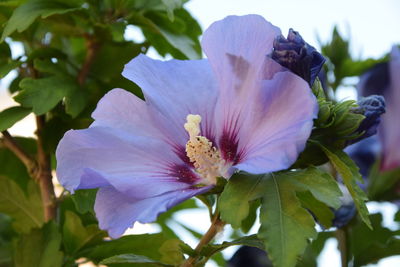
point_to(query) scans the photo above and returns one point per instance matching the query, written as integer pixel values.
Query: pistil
(205, 157)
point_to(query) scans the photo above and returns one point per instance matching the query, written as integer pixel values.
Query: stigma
(205, 157)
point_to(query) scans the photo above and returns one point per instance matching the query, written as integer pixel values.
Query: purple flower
(298, 56)
(390, 130)
(202, 119)
(385, 79)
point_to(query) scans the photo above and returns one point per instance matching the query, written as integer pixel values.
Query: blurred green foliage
(341, 64)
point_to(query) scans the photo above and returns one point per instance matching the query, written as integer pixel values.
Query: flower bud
(347, 210)
(298, 56)
(372, 107)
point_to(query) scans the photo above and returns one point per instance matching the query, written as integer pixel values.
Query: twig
(44, 175)
(215, 227)
(29, 162)
(92, 49)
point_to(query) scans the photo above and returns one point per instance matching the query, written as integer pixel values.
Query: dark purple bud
(343, 215)
(372, 107)
(298, 56)
(249, 256)
(347, 210)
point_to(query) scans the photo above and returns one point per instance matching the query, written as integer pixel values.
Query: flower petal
(276, 132)
(138, 166)
(390, 129)
(116, 212)
(173, 89)
(237, 47)
(123, 110)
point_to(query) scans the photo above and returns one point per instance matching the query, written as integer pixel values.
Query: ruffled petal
(237, 48)
(279, 127)
(117, 212)
(122, 110)
(173, 89)
(137, 166)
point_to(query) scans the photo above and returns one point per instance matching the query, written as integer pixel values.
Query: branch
(44, 175)
(216, 226)
(29, 162)
(92, 49)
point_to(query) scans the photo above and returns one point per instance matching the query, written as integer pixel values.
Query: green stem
(216, 226)
(341, 236)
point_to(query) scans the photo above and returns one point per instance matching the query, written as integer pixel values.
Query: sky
(372, 25)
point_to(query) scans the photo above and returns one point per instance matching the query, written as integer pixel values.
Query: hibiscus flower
(201, 119)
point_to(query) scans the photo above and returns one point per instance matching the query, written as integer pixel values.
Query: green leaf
(171, 5)
(42, 94)
(5, 52)
(147, 245)
(47, 66)
(84, 200)
(381, 183)
(39, 54)
(75, 100)
(40, 247)
(356, 68)
(369, 246)
(285, 224)
(248, 223)
(397, 216)
(319, 209)
(132, 258)
(320, 184)
(27, 13)
(350, 174)
(10, 116)
(178, 38)
(6, 236)
(76, 235)
(14, 85)
(25, 209)
(239, 191)
(121, 52)
(5, 68)
(251, 241)
(75, 97)
(171, 252)
(314, 249)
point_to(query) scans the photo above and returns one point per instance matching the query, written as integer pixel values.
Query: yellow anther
(201, 152)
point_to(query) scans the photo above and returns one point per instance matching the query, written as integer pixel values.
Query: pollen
(205, 157)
